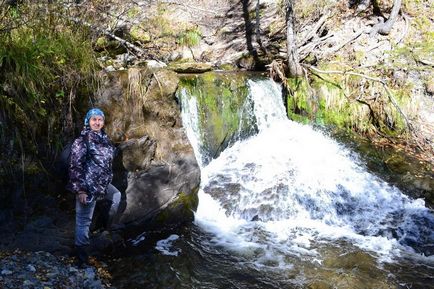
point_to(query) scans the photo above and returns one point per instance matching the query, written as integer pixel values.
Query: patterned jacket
(90, 168)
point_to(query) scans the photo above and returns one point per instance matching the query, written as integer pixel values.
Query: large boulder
(143, 117)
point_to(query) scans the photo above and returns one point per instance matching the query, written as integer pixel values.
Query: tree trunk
(387, 26)
(293, 60)
(258, 31)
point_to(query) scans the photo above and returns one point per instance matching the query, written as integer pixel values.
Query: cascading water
(289, 188)
(282, 206)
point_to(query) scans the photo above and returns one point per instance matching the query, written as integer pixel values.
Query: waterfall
(288, 187)
(190, 120)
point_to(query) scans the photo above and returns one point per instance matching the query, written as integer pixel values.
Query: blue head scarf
(92, 112)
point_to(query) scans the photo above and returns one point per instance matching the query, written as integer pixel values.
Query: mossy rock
(221, 100)
(190, 67)
(101, 43)
(181, 210)
(227, 67)
(138, 34)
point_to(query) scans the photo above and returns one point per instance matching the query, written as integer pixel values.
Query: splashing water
(289, 188)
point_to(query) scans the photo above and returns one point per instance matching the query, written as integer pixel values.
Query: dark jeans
(84, 214)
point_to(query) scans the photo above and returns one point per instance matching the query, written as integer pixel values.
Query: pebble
(73, 270)
(31, 268)
(6, 272)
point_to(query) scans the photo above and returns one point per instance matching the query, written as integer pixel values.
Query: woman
(90, 176)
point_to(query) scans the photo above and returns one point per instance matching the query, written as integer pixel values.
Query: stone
(154, 64)
(89, 273)
(430, 86)
(400, 77)
(137, 153)
(190, 67)
(157, 187)
(6, 272)
(31, 268)
(110, 68)
(72, 270)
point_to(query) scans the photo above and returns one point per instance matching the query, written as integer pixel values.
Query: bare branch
(124, 42)
(308, 48)
(313, 31)
(426, 62)
(340, 46)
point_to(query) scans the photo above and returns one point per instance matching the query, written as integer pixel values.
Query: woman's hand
(82, 197)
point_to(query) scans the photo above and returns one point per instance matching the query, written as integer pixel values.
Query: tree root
(384, 27)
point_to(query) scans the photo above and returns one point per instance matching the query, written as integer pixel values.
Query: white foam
(165, 246)
(302, 187)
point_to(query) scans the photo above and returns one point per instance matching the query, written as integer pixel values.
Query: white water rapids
(289, 187)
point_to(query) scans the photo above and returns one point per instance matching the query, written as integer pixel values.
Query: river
(286, 206)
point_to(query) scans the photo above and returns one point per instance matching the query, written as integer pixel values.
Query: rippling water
(287, 207)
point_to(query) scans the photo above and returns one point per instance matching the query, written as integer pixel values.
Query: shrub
(46, 66)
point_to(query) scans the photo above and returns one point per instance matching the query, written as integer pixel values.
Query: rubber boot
(82, 256)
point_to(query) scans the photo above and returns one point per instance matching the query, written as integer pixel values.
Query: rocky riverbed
(36, 249)
(19, 269)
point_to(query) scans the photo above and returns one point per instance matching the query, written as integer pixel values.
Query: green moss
(133, 12)
(220, 103)
(335, 99)
(227, 67)
(139, 34)
(189, 37)
(188, 202)
(101, 43)
(181, 209)
(300, 99)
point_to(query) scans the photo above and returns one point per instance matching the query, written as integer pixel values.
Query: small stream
(284, 205)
